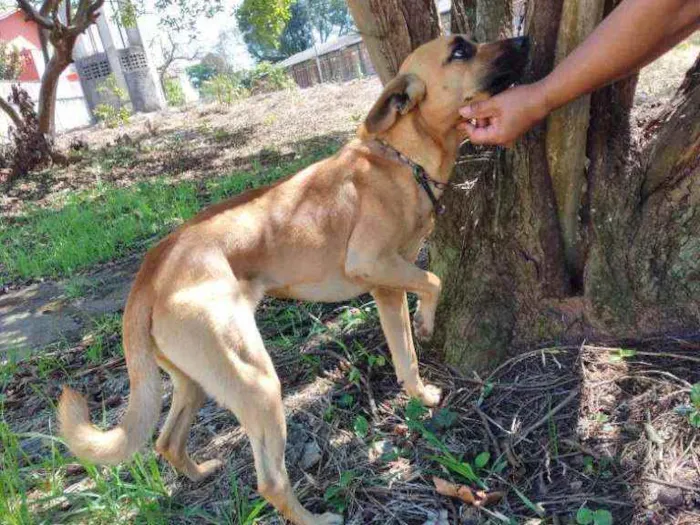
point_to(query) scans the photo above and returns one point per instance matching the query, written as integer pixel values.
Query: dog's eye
(462, 50)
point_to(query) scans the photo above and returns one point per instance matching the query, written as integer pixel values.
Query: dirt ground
(566, 428)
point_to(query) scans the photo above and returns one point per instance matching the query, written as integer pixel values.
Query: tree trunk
(10, 112)
(392, 29)
(499, 249)
(463, 17)
(566, 234)
(60, 60)
(643, 271)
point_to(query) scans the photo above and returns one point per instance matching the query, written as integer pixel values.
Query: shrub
(173, 92)
(111, 116)
(224, 89)
(29, 148)
(266, 77)
(113, 112)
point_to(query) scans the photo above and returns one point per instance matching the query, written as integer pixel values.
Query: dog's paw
(208, 468)
(421, 327)
(430, 396)
(328, 519)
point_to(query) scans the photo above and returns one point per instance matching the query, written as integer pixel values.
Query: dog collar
(422, 178)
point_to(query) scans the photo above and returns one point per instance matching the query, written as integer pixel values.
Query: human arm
(634, 34)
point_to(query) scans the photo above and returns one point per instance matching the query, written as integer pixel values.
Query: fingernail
(466, 111)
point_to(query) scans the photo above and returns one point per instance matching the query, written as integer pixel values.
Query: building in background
(108, 48)
(342, 59)
(23, 35)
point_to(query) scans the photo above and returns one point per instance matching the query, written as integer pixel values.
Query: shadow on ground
(565, 427)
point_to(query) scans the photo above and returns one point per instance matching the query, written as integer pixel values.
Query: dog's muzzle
(509, 66)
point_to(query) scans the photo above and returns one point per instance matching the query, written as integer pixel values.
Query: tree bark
(47, 93)
(463, 17)
(643, 271)
(62, 35)
(392, 29)
(569, 233)
(10, 112)
(567, 130)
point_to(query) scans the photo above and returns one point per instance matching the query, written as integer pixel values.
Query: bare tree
(173, 51)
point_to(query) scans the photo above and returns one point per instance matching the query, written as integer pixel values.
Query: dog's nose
(521, 44)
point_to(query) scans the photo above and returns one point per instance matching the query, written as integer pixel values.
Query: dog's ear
(398, 98)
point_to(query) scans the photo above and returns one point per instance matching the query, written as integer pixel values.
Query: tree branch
(11, 112)
(85, 15)
(34, 15)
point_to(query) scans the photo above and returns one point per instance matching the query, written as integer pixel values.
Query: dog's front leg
(393, 315)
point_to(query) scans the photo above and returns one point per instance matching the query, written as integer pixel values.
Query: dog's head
(443, 75)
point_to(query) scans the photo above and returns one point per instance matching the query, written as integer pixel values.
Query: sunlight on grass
(109, 222)
(37, 489)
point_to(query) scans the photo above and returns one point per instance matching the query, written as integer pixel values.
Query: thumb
(483, 109)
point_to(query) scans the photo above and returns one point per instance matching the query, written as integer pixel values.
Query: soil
(568, 427)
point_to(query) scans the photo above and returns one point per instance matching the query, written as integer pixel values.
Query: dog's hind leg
(226, 356)
(188, 398)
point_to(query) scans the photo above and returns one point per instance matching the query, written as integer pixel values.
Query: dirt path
(51, 312)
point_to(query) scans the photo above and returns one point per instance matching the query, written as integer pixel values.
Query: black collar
(422, 178)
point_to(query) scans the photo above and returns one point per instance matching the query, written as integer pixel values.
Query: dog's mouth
(509, 66)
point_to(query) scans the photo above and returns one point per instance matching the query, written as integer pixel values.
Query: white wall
(71, 110)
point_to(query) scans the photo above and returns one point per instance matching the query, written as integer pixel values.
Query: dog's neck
(434, 150)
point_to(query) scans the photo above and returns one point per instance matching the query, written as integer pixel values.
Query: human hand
(504, 117)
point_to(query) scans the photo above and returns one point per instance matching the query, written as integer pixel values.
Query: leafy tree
(298, 33)
(329, 17)
(263, 21)
(296, 36)
(200, 73)
(182, 15)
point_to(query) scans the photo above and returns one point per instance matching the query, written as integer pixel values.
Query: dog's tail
(113, 446)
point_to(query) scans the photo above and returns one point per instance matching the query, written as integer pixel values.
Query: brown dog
(347, 225)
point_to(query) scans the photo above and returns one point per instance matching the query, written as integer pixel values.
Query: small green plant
(692, 411)
(620, 354)
(354, 376)
(111, 116)
(346, 401)
(79, 286)
(174, 93)
(113, 112)
(47, 365)
(243, 511)
(361, 426)
(485, 392)
(416, 421)
(224, 89)
(104, 337)
(266, 77)
(586, 516)
(8, 366)
(336, 495)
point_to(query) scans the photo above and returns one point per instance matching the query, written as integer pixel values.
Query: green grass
(33, 490)
(108, 222)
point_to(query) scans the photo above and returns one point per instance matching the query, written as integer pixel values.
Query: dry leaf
(453, 490)
(488, 498)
